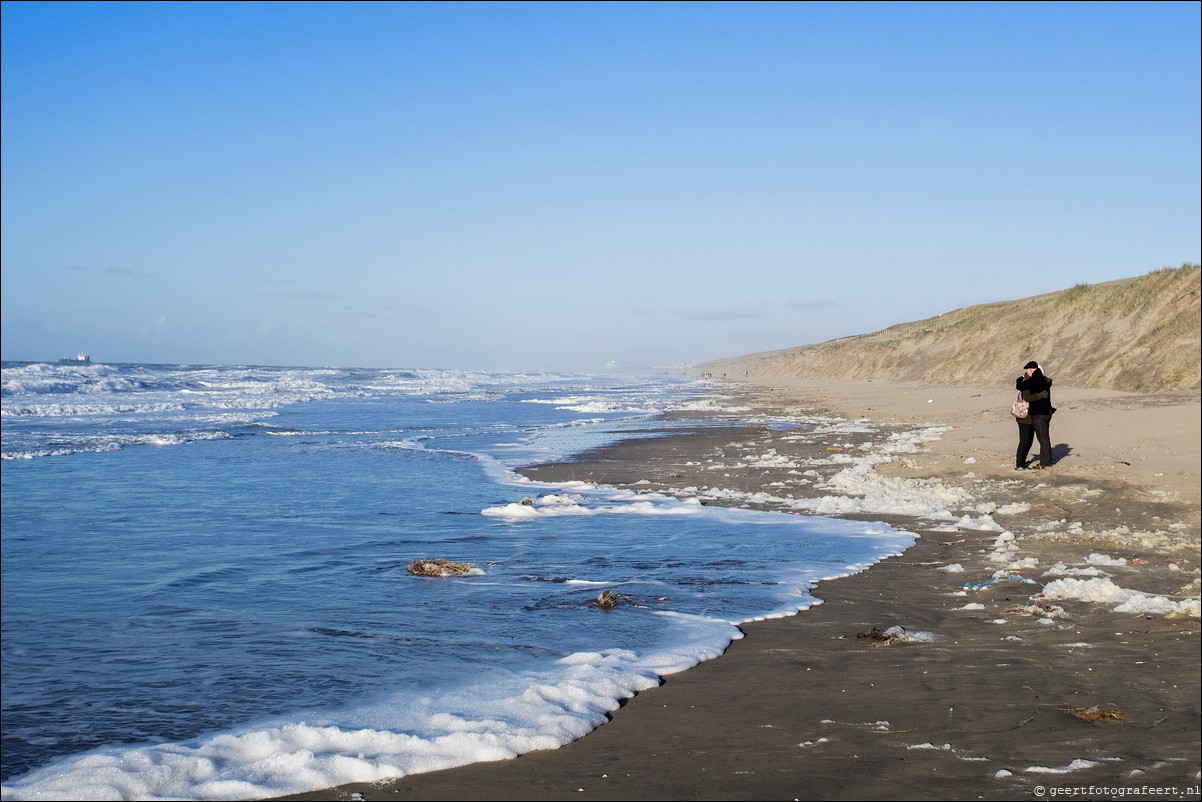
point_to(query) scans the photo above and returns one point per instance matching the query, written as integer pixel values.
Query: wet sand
(803, 708)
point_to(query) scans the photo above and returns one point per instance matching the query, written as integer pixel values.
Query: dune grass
(1140, 334)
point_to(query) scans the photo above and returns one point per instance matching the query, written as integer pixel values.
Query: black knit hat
(1031, 364)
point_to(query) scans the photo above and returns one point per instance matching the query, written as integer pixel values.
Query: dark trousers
(1027, 432)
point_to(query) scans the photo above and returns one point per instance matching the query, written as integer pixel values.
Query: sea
(206, 587)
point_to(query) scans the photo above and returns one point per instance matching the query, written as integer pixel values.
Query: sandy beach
(1055, 653)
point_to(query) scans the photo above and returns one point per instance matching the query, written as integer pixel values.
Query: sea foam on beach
(1102, 590)
(205, 585)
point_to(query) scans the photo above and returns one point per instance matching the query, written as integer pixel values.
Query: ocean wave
(557, 505)
(405, 734)
(100, 443)
(78, 410)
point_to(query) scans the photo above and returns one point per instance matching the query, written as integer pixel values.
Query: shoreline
(801, 707)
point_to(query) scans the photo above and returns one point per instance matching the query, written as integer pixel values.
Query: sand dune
(1138, 335)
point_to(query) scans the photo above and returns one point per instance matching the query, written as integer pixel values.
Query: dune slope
(1139, 334)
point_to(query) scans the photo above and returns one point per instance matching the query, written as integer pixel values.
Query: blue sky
(565, 186)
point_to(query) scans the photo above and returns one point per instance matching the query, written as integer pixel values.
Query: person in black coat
(1036, 390)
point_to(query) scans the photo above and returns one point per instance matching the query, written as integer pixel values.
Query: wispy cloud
(307, 295)
(753, 311)
(111, 270)
(153, 327)
(291, 290)
(745, 311)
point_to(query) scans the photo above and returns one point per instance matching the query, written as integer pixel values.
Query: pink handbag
(1020, 408)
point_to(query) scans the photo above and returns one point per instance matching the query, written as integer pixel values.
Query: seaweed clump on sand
(1039, 610)
(438, 568)
(1096, 713)
(880, 637)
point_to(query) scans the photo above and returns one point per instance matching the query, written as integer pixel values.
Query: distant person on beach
(1036, 390)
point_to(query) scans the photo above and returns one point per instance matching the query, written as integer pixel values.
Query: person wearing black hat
(1036, 390)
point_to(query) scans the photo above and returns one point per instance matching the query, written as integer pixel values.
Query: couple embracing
(1036, 390)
